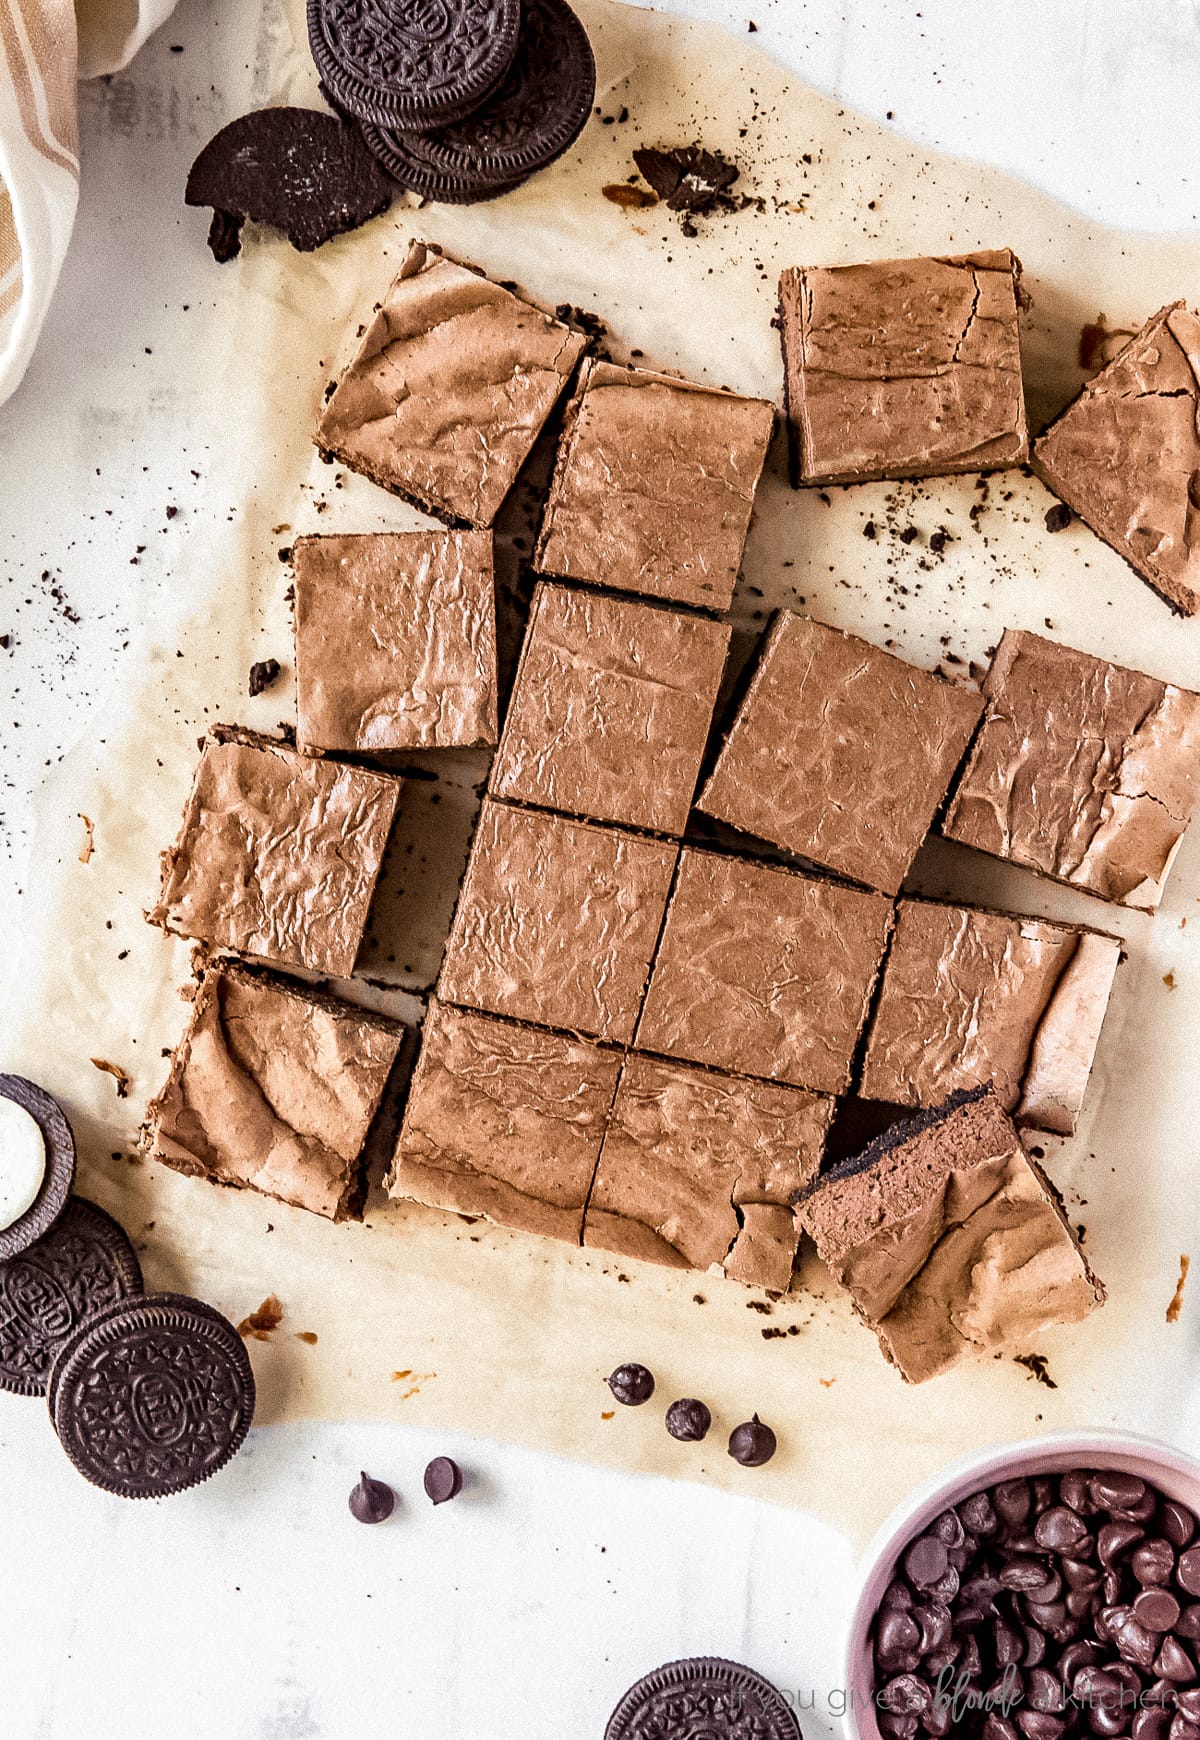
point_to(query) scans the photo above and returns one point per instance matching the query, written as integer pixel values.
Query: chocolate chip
(906, 1695)
(934, 1620)
(1174, 1663)
(1114, 1490)
(371, 1501)
(443, 1479)
(926, 1562)
(632, 1385)
(752, 1444)
(1061, 1530)
(1013, 1501)
(1189, 1623)
(688, 1420)
(949, 1530)
(1022, 1572)
(1176, 1522)
(1116, 1538)
(1038, 1725)
(897, 1635)
(1187, 1571)
(1156, 1609)
(1075, 1490)
(977, 1515)
(1153, 1561)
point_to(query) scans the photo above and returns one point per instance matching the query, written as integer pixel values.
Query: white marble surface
(254, 1607)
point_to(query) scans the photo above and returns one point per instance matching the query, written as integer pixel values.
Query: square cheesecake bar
(451, 386)
(903, 368)
(278, 854)
(972, 997)
(1125, 455)
(653, 485)
(557, 921)
(275, 1087)
(700, 1169)
(1083, 770)
(951, 1242)
(611, 709)
(840, 753)
(505, 1121)
(763, 972)
(395, 641)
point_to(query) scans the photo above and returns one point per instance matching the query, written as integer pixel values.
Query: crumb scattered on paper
(89, 839)
(1169, 981)
(1176, 1306)
(262, 675)
(260, 1323)
(609, 1415)
(307, 1336)
(118, 1074)
(1035, 1365)
(631, 198)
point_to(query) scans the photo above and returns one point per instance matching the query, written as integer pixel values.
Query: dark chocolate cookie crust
(705, 1695)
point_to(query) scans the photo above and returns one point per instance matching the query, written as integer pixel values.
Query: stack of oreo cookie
(149, 1393)
(459, 100)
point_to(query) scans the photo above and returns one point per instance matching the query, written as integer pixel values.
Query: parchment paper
(425, 1317)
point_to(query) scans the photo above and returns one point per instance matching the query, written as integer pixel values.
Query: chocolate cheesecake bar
(903, 368)
(653, 485)
(763, 972)
(1125, 455)
(840, 753)
(611, 709)
(395, 641)
(1082, 770)
(449, 390)
(972, 997)
(556, 922)
(951, 1242)
(275, 1087)
(278, 854)
(699, 1169)
(504, 1120)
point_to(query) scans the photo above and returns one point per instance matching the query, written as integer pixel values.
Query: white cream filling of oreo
(22, 1162)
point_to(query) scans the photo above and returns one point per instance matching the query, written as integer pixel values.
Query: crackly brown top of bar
(654, 484)
(450, 388)
(949, 1239)
(611, 709)
(505, 1121)
(557, 922)
(1083, 770)
(395, 640)
(278, 853)
(840, 752)
(274, 1087)
(764, 972)
(971, 997)
(1125, 455)
(687, 1152)
(903, 368)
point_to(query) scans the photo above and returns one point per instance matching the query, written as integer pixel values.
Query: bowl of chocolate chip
(1035, 1591)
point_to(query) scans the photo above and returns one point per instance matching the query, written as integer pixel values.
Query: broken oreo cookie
(83, 1264)
(152, 1395)
(304, 173)
(412, 65)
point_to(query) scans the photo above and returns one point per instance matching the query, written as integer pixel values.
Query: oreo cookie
(30, 1106)
(703, 1695)
(83, 1264)
(299, 171)
(152, 1395)
(412, 64)
(534, 116)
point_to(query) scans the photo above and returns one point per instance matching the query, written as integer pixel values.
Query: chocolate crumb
(263, 674)
(1035, 1365)
(115, 1070)
(689, 178)
(1058, 517)
(632, 198)
(1176, 1306)
(89, 842)
(260, 1323)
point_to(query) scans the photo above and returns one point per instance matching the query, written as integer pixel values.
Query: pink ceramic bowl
(1175, 1474)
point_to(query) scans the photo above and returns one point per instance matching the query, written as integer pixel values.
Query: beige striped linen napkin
(44, 49)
